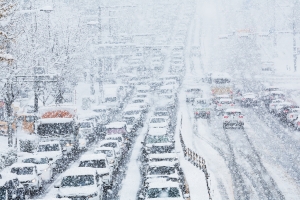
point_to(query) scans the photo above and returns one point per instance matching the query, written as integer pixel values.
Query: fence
(196, 160)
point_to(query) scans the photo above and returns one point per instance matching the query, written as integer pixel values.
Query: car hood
(42, 167)
(159, 144)
(101, 171)
(158, 124)
(51, 154)
(23, 178)
(77, 191)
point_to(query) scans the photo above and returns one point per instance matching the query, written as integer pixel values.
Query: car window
(157, 120)
(36, 160)
(110, 144)
(156, 139)
(48, 147)
(77, 181)
(22, 170)
(93, 163)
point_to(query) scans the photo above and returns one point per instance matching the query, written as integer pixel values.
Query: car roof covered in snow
(132, 107)
(98, 156)
(75, 171)
(166, 87)
(142, 87)
(163, 155)
(157, 131)
(223, 95)
(161, 164)
(22, 165)
(55, 120)
(104, 148)
(163, 184)
(49, 142)
(116, 125)
(233, 110)
(5, 177)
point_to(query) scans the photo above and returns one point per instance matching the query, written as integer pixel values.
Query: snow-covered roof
(55, 120)
(116, 125)
(22, 165)
(157, 131)
(74, 171)
(98, 156)
(233, 110)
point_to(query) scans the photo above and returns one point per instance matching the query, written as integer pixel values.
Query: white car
(80, 184)
(281, 105)
(114, 144)
(192, 93)
(99, 162)
(110, 155)
(119, 138)
(293, 115)
(233, 117)
(164, 190)
(43, 164)
(158, 141)
(28, 175)
(274, 103)
(224, 104)
(171, 157)
(163, 169)
(164, 114)
(53, 151)
(158, 122)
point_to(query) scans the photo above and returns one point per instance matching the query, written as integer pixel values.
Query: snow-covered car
(274, 103)
(139, 101)
(132, 110)
(201, 108)
(28, 175)
(158, 140)
(266, 92)
(168, 100)
(233, 118)
(99, 162)
(10, 187)
(114, 144)
(192, 93)
(279, 107)
(163, 170)
(274, 95)
(110, 155)
(53, 151)
(43, 164)
(171, 157)
(159, 122)
(224, 104)
(145, 89)
(80, 184)
(116, 128)
(87, 129)
(164, 114)
(292, 115)
(120, 139)
(217, 98)
(249, 99)
(172, 83)
(160, 190)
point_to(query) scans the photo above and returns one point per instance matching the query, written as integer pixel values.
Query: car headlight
(93, 195)
(33, 180)
(112, 162)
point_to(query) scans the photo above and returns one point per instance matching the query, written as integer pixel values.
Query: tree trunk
(9, 123)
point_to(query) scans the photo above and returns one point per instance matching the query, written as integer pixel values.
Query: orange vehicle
(3, 118)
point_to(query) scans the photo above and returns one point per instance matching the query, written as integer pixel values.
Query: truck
(221, 84)
(57, 123)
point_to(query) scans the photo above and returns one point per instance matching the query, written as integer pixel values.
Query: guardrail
(196, 160)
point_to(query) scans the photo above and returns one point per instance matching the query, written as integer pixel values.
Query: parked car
(292, 115)
(159, 122)
(110, 155)
(249, 99)
(114, 144)
(80, 184)
(201, 108)
(224, 104)
(192, 93)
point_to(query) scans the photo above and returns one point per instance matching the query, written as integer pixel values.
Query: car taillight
(291, 116)
(243, 99)
(207, 112)
(232, 104)
(226, 116)
(219, 104)
(298, 123)
(241, 116)
(285, 111)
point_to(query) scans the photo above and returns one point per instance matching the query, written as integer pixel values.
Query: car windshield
(225, 102)
(60, 129)
(77, 181)
(167, 192)
(116, 130)
(108, 153)
(161, 170)
(157, 120)
(132, 112)
(159, 114)
(138, 101)
(48, 147)
(111, 99)
(114, 138)
(110, 144)
(93, 163)
(22, 170)
(233, 113)
(85, 125)
(36, 160)
(156, 139)
(201, 102)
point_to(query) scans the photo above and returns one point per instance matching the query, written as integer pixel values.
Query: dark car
(10, 187)
(282, 114)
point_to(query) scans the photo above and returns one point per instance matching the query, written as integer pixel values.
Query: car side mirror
(186, 195)
(39, 174)
(50, 159)
(57, 186)
(143, 143)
